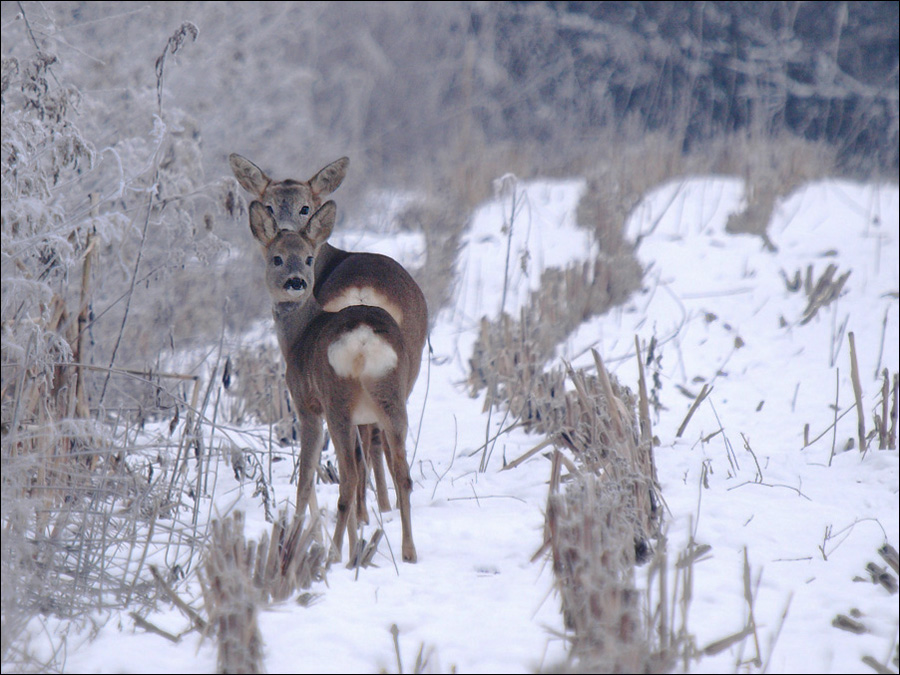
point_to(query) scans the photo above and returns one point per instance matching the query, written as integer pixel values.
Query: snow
(809, 518)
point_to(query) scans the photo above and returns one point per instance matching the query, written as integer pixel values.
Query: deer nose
(295, 284)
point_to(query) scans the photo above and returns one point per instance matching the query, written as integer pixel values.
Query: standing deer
(345, 278)
(349, 367)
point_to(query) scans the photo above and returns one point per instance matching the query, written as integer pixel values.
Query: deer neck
(328, 258)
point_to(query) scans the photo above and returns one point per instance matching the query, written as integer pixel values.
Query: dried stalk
(697, 401)
(857, 394)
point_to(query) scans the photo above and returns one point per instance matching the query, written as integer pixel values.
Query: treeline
(400, 86)
(824, 71)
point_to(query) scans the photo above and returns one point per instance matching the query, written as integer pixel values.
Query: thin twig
(34, 41)
(150, 628)
(748, 596)
(424, 399)
(779, 485)
(877, 666)
(509, 236)
(752, 454)
(452, 457)
(837, 393)
(530, 453)
(643, 403)
(195, 618)
(134, 278)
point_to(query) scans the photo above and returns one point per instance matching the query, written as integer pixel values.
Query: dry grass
(592, 546)
(820, 292)
(508, 356)
(238, 577)
(257, 390)
(855, 622)
(603, 523)
(83, 504)
(442, 225)
(604, 508)
(772, 169)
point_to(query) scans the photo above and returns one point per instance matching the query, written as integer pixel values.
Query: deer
(348, 367)
(345, 278)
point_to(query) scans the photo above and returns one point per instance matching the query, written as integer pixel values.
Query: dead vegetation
(239, 577)
(855, 622)
(604, 507)
(257, 391)
(442, 228)
(509, 356)
(820, 292)
(90, 494)
(602, 524)
(772, 168)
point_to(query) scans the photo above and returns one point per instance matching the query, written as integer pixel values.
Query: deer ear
(321, 223)
(262, 223)
(250, 176)
(330, 178)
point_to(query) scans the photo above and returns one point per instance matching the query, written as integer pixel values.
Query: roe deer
(349, 367)
(345, 278)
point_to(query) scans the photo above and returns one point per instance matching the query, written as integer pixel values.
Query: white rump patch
(361, 354)
(365, 295)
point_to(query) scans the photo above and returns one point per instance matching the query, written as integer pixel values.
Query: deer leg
(352, 534)
(362, 513)
(342, 436)
(395, 436)
(372, 444)
(311, 437)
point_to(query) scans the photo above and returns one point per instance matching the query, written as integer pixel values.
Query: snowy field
(739, 478)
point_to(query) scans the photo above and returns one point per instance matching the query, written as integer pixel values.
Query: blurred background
(434, 100)
(401, 86)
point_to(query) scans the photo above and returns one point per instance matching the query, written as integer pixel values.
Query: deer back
(332, 357)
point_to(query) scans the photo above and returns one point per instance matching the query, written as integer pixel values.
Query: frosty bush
(80, 496)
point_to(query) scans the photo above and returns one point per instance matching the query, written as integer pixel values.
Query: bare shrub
(83, 498)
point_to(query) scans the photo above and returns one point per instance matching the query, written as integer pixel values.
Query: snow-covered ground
(809, 518)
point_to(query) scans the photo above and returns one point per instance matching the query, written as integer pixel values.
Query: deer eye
(304, 210)
(309, 261)
(277, 261)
